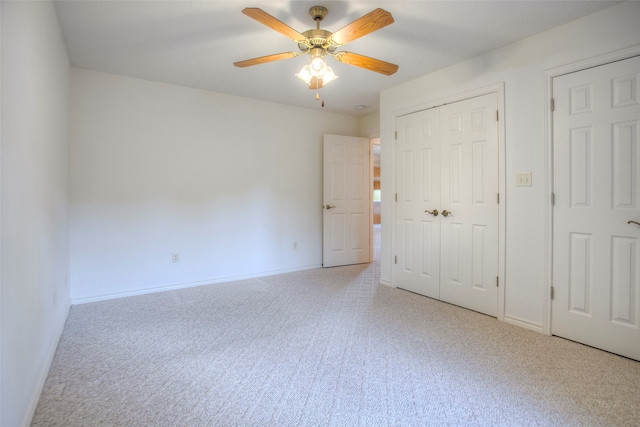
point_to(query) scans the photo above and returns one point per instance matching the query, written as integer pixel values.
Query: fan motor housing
(317, 37)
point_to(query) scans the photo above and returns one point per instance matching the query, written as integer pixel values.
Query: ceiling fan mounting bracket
(318, 13)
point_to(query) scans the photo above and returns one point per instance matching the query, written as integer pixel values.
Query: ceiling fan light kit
(316, 69)
(317, 43)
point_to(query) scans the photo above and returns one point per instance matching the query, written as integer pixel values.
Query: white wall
(370, 125)
(521, 66)
(227, 182)
(34, 219)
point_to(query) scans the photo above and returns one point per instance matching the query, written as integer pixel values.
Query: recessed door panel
(624, 281)
(337, 232)
(479, 171)
(408, 254)
(427, 175)
(407, 172)
(580, 273)
(478, 261)
(580, 167)
(358, 231)
(358, 175)
(337, 181)
(454, 254)
(624, 169)
(455, 174)
(426, 245)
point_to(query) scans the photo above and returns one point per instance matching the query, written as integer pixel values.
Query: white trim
(371, 178)
(176, 286)
(549, 75)
(386, 283)
(44, 373)
(1, 387)
(513, 320)
(499, 90)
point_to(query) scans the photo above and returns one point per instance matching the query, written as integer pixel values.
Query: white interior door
(418, 202)
(469, 133)
(347, 201)
(596, 255)
(447, 161)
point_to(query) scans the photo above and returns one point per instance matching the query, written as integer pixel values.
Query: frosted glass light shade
(317, 68)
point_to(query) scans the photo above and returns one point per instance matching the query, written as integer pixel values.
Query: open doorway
(376, 223)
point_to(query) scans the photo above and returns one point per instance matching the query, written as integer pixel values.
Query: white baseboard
(44, 373)
(176, 286)
(523, 323)
(386, 283)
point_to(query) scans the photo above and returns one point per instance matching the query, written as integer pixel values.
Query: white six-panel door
(447, 160)
(418, 220)
(596, 252)
(469, 133)
(347, 201)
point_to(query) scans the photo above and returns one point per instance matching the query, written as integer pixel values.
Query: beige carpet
(322, 347)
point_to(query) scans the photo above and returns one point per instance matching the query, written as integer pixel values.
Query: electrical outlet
(175, 257)
(523, 179)
(295, 246)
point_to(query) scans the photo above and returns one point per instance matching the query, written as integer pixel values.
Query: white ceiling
(195, 43)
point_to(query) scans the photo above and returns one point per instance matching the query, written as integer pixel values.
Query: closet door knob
(446, 213)
(433, 212)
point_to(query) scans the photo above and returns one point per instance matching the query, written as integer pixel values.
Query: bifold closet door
(417, 225)
(447, 209)
(469, 233)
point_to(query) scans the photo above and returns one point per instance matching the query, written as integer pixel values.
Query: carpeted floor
(322, 347)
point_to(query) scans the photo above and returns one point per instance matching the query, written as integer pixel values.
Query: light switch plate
(523, 179)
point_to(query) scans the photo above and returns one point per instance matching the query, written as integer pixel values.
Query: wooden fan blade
(264, 59)
(369, 23)
(315, 83)
(274, 23)
(371, 64)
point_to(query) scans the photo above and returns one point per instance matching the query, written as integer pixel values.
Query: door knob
(329, 207)
(446, 213)
(633, 222)
(433, 212)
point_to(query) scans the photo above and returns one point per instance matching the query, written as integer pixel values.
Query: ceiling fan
(318, 43)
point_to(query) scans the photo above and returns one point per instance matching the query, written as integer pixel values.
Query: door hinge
(396, 133)
(497, 116)
(553, 104)
(498, 197)
(396, 197)
(553, 199)
(497, 281)
(395, 259)
(552, 292)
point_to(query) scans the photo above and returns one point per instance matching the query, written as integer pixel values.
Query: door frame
(498, 89)
(372, 142)
(549, 75)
